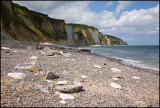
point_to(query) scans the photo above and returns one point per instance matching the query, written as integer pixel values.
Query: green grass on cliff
(36, 19)
(56, 20)
(33, 16)
(113, 38)
(82, 26)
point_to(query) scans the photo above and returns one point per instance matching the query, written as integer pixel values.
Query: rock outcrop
(22, 24)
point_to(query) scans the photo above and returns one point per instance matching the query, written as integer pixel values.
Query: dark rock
(8, 51)
(78, 50)
(62, 48)
(39, 47)
(71, 48)
(69, 88)
(119, 60)
(51, 75)
(81, 80)
(86, 50)
(64, 51)
(119, 77)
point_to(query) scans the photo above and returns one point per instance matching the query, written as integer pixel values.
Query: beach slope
(105, 82)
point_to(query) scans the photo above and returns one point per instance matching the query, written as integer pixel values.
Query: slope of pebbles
(105, 82)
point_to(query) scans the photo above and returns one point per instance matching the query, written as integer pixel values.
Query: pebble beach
(101, 81)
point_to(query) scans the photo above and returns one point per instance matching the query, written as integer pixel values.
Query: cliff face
(72, 37)
(87, 35)
(91, 36)
(20, 23)
(111, 40)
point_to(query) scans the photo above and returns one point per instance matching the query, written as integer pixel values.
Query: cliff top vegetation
(82, 26)
(113, 37)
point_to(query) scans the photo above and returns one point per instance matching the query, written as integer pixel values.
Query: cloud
(122, 5)
(130, 23)
(72, 12)
(143, 21)
(109, 3)
(42, 6)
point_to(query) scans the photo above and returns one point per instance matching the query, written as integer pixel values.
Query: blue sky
(136, 22)
(101, 5)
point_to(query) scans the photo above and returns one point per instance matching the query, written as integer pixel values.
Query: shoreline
(156, 72)
(106, 82)
(120, 61)
(75, 47)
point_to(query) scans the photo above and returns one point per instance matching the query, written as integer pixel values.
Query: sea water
(146, 56)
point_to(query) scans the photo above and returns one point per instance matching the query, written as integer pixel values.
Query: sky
(136, 22)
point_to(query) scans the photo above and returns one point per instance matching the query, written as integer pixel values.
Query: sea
(145, 56)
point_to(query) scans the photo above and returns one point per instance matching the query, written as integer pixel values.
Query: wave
(136, 63)
(140, 56)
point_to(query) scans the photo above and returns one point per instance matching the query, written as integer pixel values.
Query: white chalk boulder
(34, 57)
(63, 101)
(23, 67)
(5, 48)
(115, 78)
(115, 70)
(62, 82)
(135, 77)
(17, 75)
(97, 66)
(84, 77)
(114, 85)
(66, 96)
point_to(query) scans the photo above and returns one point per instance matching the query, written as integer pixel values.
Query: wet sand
(107, 81)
